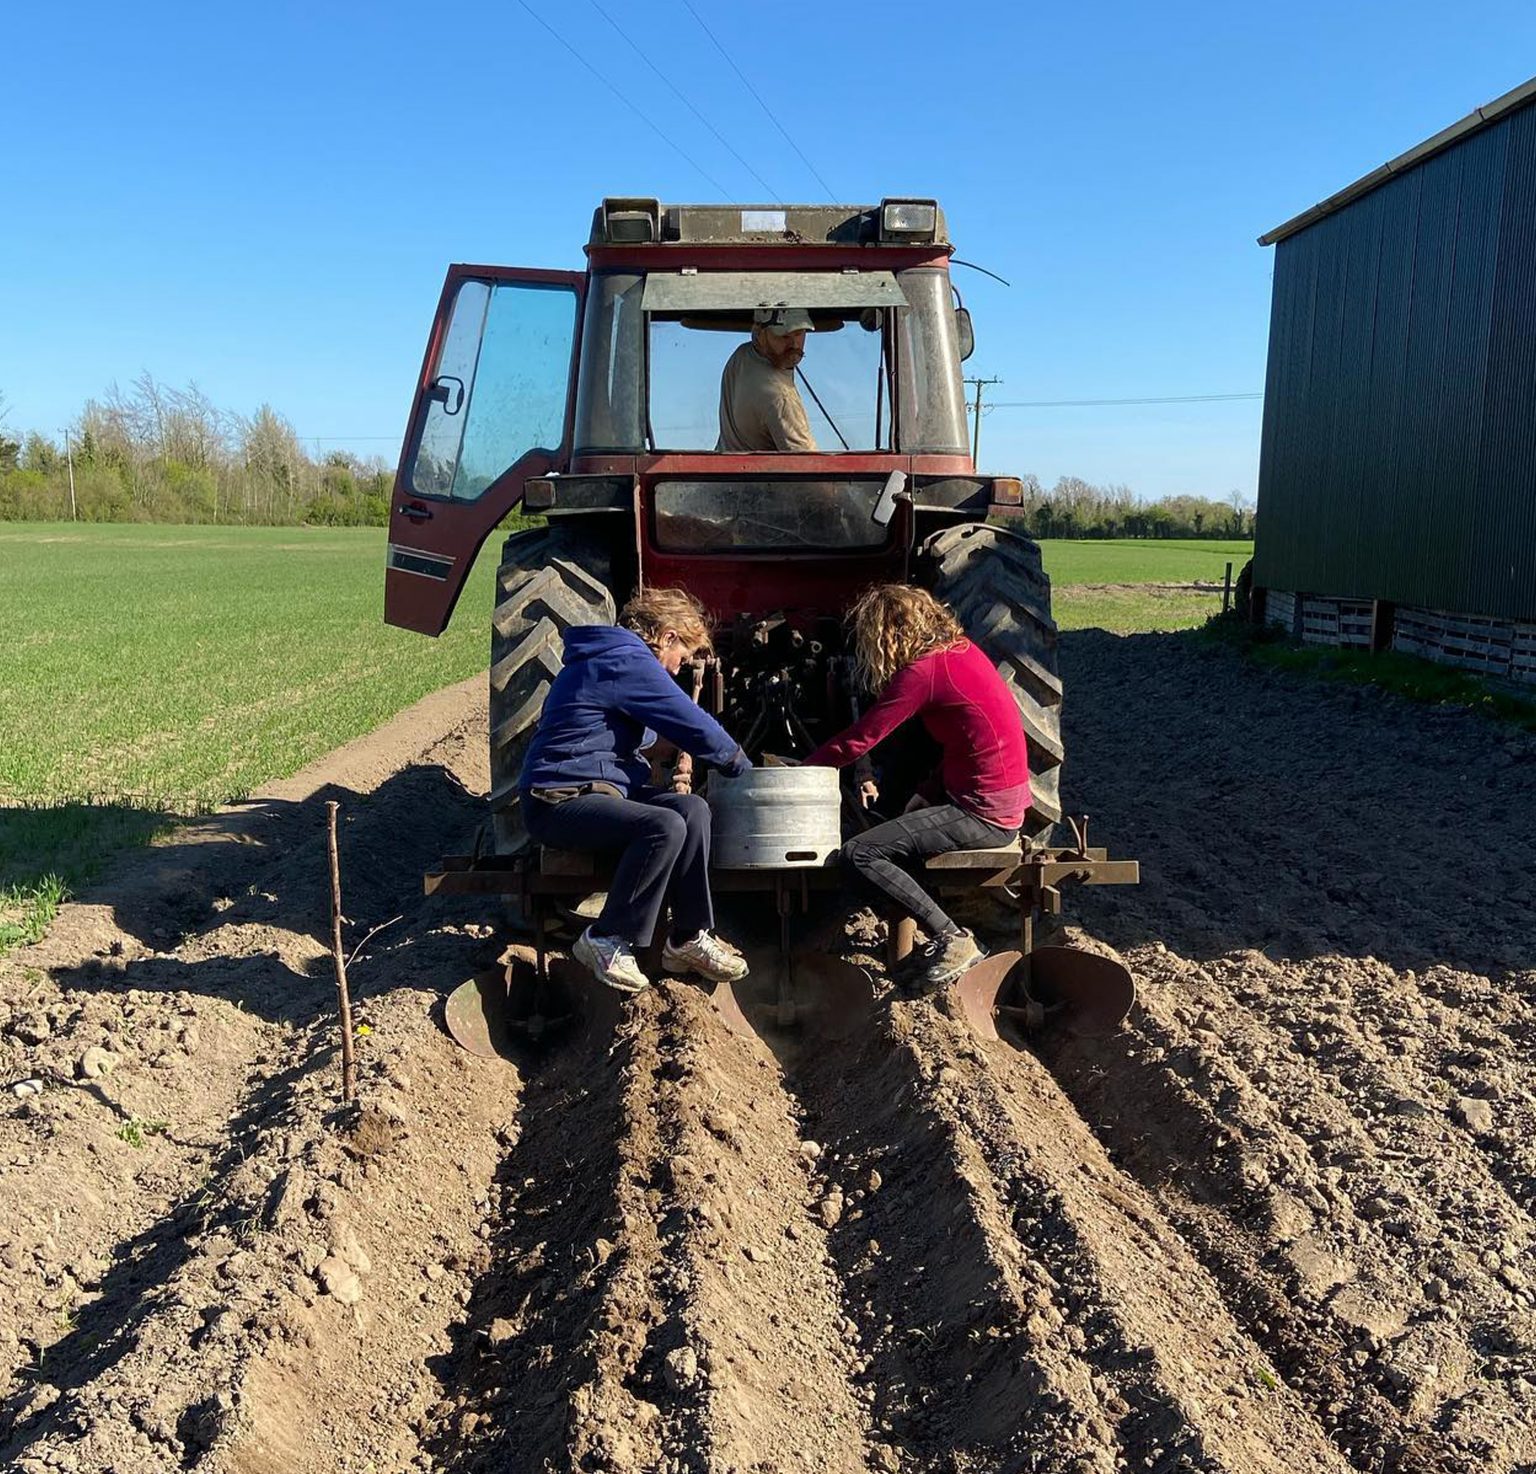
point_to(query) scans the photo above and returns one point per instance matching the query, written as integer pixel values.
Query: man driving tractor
(760, 407)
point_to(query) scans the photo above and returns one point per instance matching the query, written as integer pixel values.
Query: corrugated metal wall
(1399, 448)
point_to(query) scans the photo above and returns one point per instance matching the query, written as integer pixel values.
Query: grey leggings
(878, 856)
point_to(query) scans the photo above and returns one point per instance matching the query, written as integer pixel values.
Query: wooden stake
(343, 997)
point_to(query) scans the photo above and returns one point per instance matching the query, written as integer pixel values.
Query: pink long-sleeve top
(968, 710)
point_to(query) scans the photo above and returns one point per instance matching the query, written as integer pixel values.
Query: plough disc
(1083, 991)
(506, 1008)
(824, 996)
(476, 1013)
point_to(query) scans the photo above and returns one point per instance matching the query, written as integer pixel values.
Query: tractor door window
(499, 387)
(840, 381)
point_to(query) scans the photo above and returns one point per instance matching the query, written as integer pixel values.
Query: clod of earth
(339, 1280)
(96, 1062)
(1475, 1114)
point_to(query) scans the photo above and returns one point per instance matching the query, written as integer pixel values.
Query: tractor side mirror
(965, 332)
(448, 392)
(885, 507)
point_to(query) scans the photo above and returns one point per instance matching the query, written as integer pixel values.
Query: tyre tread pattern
(995, 582)
(550, 579)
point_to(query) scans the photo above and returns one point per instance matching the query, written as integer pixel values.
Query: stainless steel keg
(775, 818)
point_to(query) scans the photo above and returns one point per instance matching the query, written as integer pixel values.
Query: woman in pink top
(911, 650)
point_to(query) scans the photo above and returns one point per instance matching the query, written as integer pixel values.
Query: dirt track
(1282, 1223)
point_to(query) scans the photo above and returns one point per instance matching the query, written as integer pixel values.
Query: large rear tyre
(550, 579)
(994, 581)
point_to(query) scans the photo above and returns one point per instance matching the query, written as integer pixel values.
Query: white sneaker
(611, 960)
(707, 955)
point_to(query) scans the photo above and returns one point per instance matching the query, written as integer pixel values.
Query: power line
(677, 148)
(725, 142)
(1165, 399)
(753, 90)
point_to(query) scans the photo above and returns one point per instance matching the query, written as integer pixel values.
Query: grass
(1141, 560)
(153, 672)
(27, 910)
(1133, 584)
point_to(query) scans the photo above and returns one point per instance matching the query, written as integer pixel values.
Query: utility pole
(976, 410)
(69, 455)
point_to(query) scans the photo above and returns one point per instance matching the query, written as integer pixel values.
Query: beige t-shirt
(760, 407)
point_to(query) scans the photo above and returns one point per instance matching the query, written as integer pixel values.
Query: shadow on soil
(525, 1342)
(50, 850)
(1299, 817)
(258, 875)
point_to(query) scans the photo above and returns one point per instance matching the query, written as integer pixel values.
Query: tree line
(152, 453)
(1076, 508)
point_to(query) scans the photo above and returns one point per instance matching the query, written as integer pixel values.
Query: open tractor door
(493, 408)
(595, 398)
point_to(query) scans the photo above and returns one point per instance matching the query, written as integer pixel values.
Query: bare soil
(1283, 1222)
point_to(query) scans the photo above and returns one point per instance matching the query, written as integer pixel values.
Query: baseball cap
(781, 320)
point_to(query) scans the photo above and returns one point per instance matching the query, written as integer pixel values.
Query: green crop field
(1142, 560)
(153, 671)
(1138, 584)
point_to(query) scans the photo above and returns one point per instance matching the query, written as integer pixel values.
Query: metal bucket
(775, 818)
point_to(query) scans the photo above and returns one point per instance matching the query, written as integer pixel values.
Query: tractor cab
(600, 392)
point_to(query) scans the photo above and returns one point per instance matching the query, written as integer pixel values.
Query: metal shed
(1397, 478)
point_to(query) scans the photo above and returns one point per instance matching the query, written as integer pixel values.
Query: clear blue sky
(262, 199)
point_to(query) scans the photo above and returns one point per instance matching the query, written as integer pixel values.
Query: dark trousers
(878, 856)
(662, 844)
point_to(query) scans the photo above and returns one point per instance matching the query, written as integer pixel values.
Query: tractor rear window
(767, 516)
(867, 376)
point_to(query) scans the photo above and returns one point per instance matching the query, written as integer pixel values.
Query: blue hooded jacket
(608, 702)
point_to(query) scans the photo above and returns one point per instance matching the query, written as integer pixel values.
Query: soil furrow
(1288, 1213)
(1322, 1178)
(759, 1309)
(657, 1297)
(1020, 1304)
(563, 1291)
(186, 1196)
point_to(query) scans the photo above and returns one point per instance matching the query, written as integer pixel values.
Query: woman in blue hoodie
(585, 785)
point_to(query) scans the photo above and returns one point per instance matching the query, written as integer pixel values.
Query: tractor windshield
(880, 369)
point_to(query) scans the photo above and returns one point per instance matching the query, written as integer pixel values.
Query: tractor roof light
(909, 221)
(631, 222)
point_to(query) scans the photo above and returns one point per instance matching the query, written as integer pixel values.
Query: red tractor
(593, 398)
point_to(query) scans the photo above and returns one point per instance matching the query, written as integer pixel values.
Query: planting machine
(590, 399)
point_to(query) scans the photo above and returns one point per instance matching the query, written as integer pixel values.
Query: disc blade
(503, 1008)
(1093, 992)
(980, 988)
(476, 1013)
(835, 995)
(729, 1006)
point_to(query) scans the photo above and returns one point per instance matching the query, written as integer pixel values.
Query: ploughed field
(1282, 1222)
